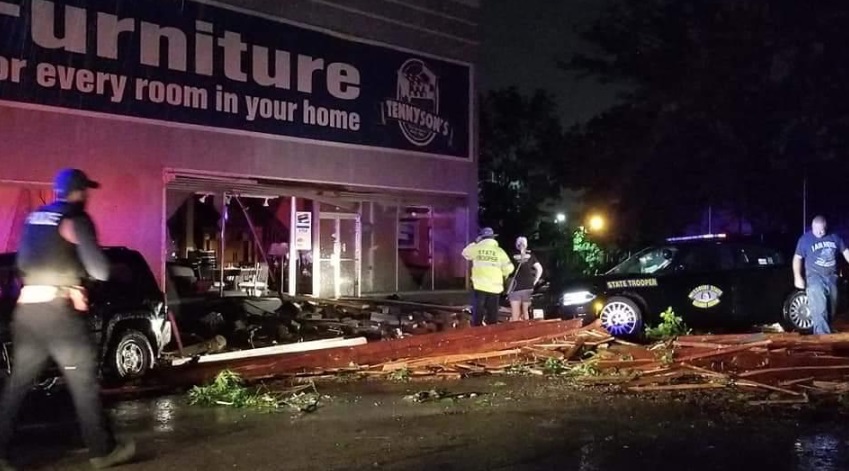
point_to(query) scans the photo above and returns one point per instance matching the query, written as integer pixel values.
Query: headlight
(576, 297)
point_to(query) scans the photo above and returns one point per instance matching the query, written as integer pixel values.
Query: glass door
(339, 255)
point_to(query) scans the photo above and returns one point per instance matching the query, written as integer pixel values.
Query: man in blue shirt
(819, 251)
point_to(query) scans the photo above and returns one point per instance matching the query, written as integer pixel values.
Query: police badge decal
(705, 296)
(416, 104)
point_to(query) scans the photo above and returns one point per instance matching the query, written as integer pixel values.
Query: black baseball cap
(72, 179)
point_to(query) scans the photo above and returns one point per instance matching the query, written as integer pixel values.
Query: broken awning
(337, 195)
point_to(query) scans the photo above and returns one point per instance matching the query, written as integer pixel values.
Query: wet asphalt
(513, 423)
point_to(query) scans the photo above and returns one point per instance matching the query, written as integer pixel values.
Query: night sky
(521, 41)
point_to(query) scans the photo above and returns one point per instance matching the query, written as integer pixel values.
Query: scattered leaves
(401, 375)
(228, 389)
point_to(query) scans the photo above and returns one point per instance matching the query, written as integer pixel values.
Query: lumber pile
(364, 358)
(783, 368)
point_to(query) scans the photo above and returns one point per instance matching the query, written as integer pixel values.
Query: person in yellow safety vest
(490, 266)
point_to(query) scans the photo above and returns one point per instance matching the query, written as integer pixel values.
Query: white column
(190, 224)
(293, 251)
(316, 253)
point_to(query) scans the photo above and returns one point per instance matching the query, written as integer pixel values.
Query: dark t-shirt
(820, 253)
(525, 275)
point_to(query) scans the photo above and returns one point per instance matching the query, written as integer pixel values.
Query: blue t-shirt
(820, 253)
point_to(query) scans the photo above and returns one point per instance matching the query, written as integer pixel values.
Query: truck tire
(130, 357)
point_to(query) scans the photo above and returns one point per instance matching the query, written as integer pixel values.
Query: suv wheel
(796, 316)
(131, 355)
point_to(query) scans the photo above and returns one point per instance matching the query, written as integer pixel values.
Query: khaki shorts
(523, 295)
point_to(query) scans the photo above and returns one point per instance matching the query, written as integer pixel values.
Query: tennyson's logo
(416, 104)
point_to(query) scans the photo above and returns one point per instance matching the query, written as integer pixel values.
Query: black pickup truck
(128, 315)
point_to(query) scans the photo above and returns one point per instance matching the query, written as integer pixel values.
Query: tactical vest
(44, 256)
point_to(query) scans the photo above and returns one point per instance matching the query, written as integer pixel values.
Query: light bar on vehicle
(696, 237)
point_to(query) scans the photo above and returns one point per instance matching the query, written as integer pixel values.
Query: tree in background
(521, 150)
(590, 256)
(731, 103)
(526, 176)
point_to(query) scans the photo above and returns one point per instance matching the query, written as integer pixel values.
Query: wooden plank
(791, 341)
(452, 342)
(755, 384)
(703, 371)
(677, 387)
(722, 352)
(656, 370)
(596, 343)
(798, 369)
(635, 352)
(796, 381)
(447, 359)
(555, 346)
(538, 352)
(661, 378)
(276, 350)
(835, 387)
(609, 364)
(735, 339)
(574, 349)
(686, 344)
(628, 344)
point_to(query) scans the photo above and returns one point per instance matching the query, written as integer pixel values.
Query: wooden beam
(463, 341)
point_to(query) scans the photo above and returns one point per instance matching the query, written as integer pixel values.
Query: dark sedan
(711, 281)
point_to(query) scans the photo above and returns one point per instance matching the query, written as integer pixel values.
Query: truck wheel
(130, 357)
(795, 314)
(621, 317)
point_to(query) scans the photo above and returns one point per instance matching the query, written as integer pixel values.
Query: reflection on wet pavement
(546, 428)
(819, 452)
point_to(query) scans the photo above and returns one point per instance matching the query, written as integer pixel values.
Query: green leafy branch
(670, 326)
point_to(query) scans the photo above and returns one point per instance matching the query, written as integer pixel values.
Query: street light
(560, 218)
(596, 223)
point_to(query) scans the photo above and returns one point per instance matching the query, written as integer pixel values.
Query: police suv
(710, 281)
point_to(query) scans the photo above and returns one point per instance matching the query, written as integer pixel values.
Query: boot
(123, 453)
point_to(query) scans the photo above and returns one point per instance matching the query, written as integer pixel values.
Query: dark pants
(485, 305)
(54, 330)
(822, 302)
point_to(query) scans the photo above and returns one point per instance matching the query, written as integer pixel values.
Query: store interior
(342, 247)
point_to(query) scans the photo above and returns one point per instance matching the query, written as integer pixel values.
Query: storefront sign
(303, 230)
(206, 65)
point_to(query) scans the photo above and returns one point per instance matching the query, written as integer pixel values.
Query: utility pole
(805, 202)
(710, 219)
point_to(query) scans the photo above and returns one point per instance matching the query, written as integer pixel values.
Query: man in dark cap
(58, 249)
(490, 266)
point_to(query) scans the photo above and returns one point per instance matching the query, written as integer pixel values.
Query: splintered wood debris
(784, 368)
